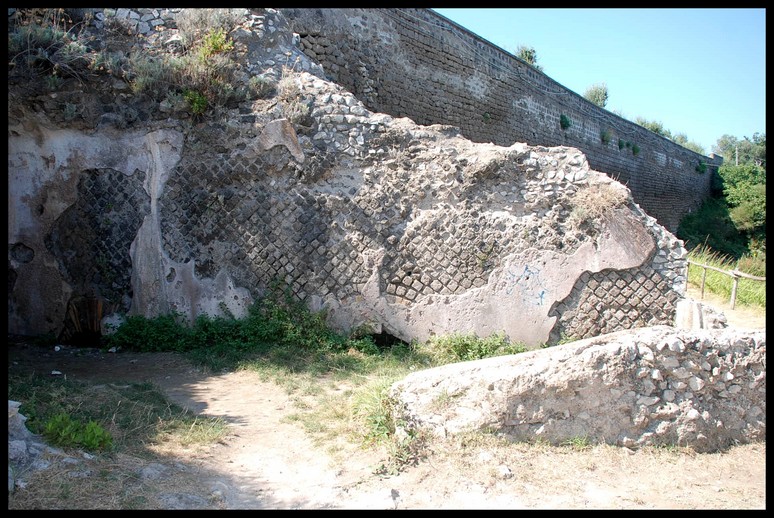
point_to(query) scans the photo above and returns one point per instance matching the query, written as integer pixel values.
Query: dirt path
(270, 463)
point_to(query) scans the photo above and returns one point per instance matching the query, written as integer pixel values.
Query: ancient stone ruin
(655, 386)
(127, 205)
(404, 229)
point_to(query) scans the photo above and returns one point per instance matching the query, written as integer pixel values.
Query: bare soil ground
(269, 462)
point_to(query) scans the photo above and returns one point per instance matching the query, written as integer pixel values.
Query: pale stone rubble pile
(653, 386)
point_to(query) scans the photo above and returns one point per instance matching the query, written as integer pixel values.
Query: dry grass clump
(594, 202)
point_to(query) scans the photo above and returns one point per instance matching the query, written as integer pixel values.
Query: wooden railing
(735, 275)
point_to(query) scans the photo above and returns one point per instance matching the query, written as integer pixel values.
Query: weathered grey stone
(280, 132)
(691, 314)
(410, 229)
(590, 389)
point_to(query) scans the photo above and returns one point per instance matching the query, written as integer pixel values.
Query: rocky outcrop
(656, 386)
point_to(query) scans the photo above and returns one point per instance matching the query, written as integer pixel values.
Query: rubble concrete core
(385, 224)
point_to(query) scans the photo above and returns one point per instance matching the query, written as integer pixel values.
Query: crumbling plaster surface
(510, 303)
(44, 166)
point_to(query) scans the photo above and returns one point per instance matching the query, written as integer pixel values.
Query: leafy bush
(711, 226)
(214, 42)
(196, 101)
(744, 187)
(63, 431)
(564, 121)
(605, 136)
(161, 333)
(277, 319)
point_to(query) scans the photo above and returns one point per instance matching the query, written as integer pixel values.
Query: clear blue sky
(700, 72)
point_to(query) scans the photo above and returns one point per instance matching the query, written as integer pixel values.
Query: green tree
(733, 220)
(529, 55)
(747, 150)
(597, 94)
(695, 147)
(744, 187)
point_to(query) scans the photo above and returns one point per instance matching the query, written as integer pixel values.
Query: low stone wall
(656, 386)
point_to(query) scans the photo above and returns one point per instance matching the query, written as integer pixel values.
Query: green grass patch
(749, 292)
(119, 418)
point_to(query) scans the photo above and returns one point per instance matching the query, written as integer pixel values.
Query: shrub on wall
(605, 137)
(564, 122)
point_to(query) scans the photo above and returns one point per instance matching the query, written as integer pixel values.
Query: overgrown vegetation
(564, 122)
(597, 94)
(528, 55)
(749, 292)
(46, 44)
(678, 138)
(729, 228)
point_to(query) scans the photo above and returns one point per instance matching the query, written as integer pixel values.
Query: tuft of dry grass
(593, 202)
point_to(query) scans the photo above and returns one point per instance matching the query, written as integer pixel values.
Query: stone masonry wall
(415, 63)
(407, 229)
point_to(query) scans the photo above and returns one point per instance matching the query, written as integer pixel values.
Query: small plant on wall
(605, 137)
(635, 149)
(564, 122)
(701, 167)
(621, 144)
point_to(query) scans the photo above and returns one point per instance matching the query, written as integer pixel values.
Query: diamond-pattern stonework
(91, 238)
(264, 226)
(612, 300)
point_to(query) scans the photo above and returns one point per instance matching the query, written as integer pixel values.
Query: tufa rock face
(656, 386)
(407, 229)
